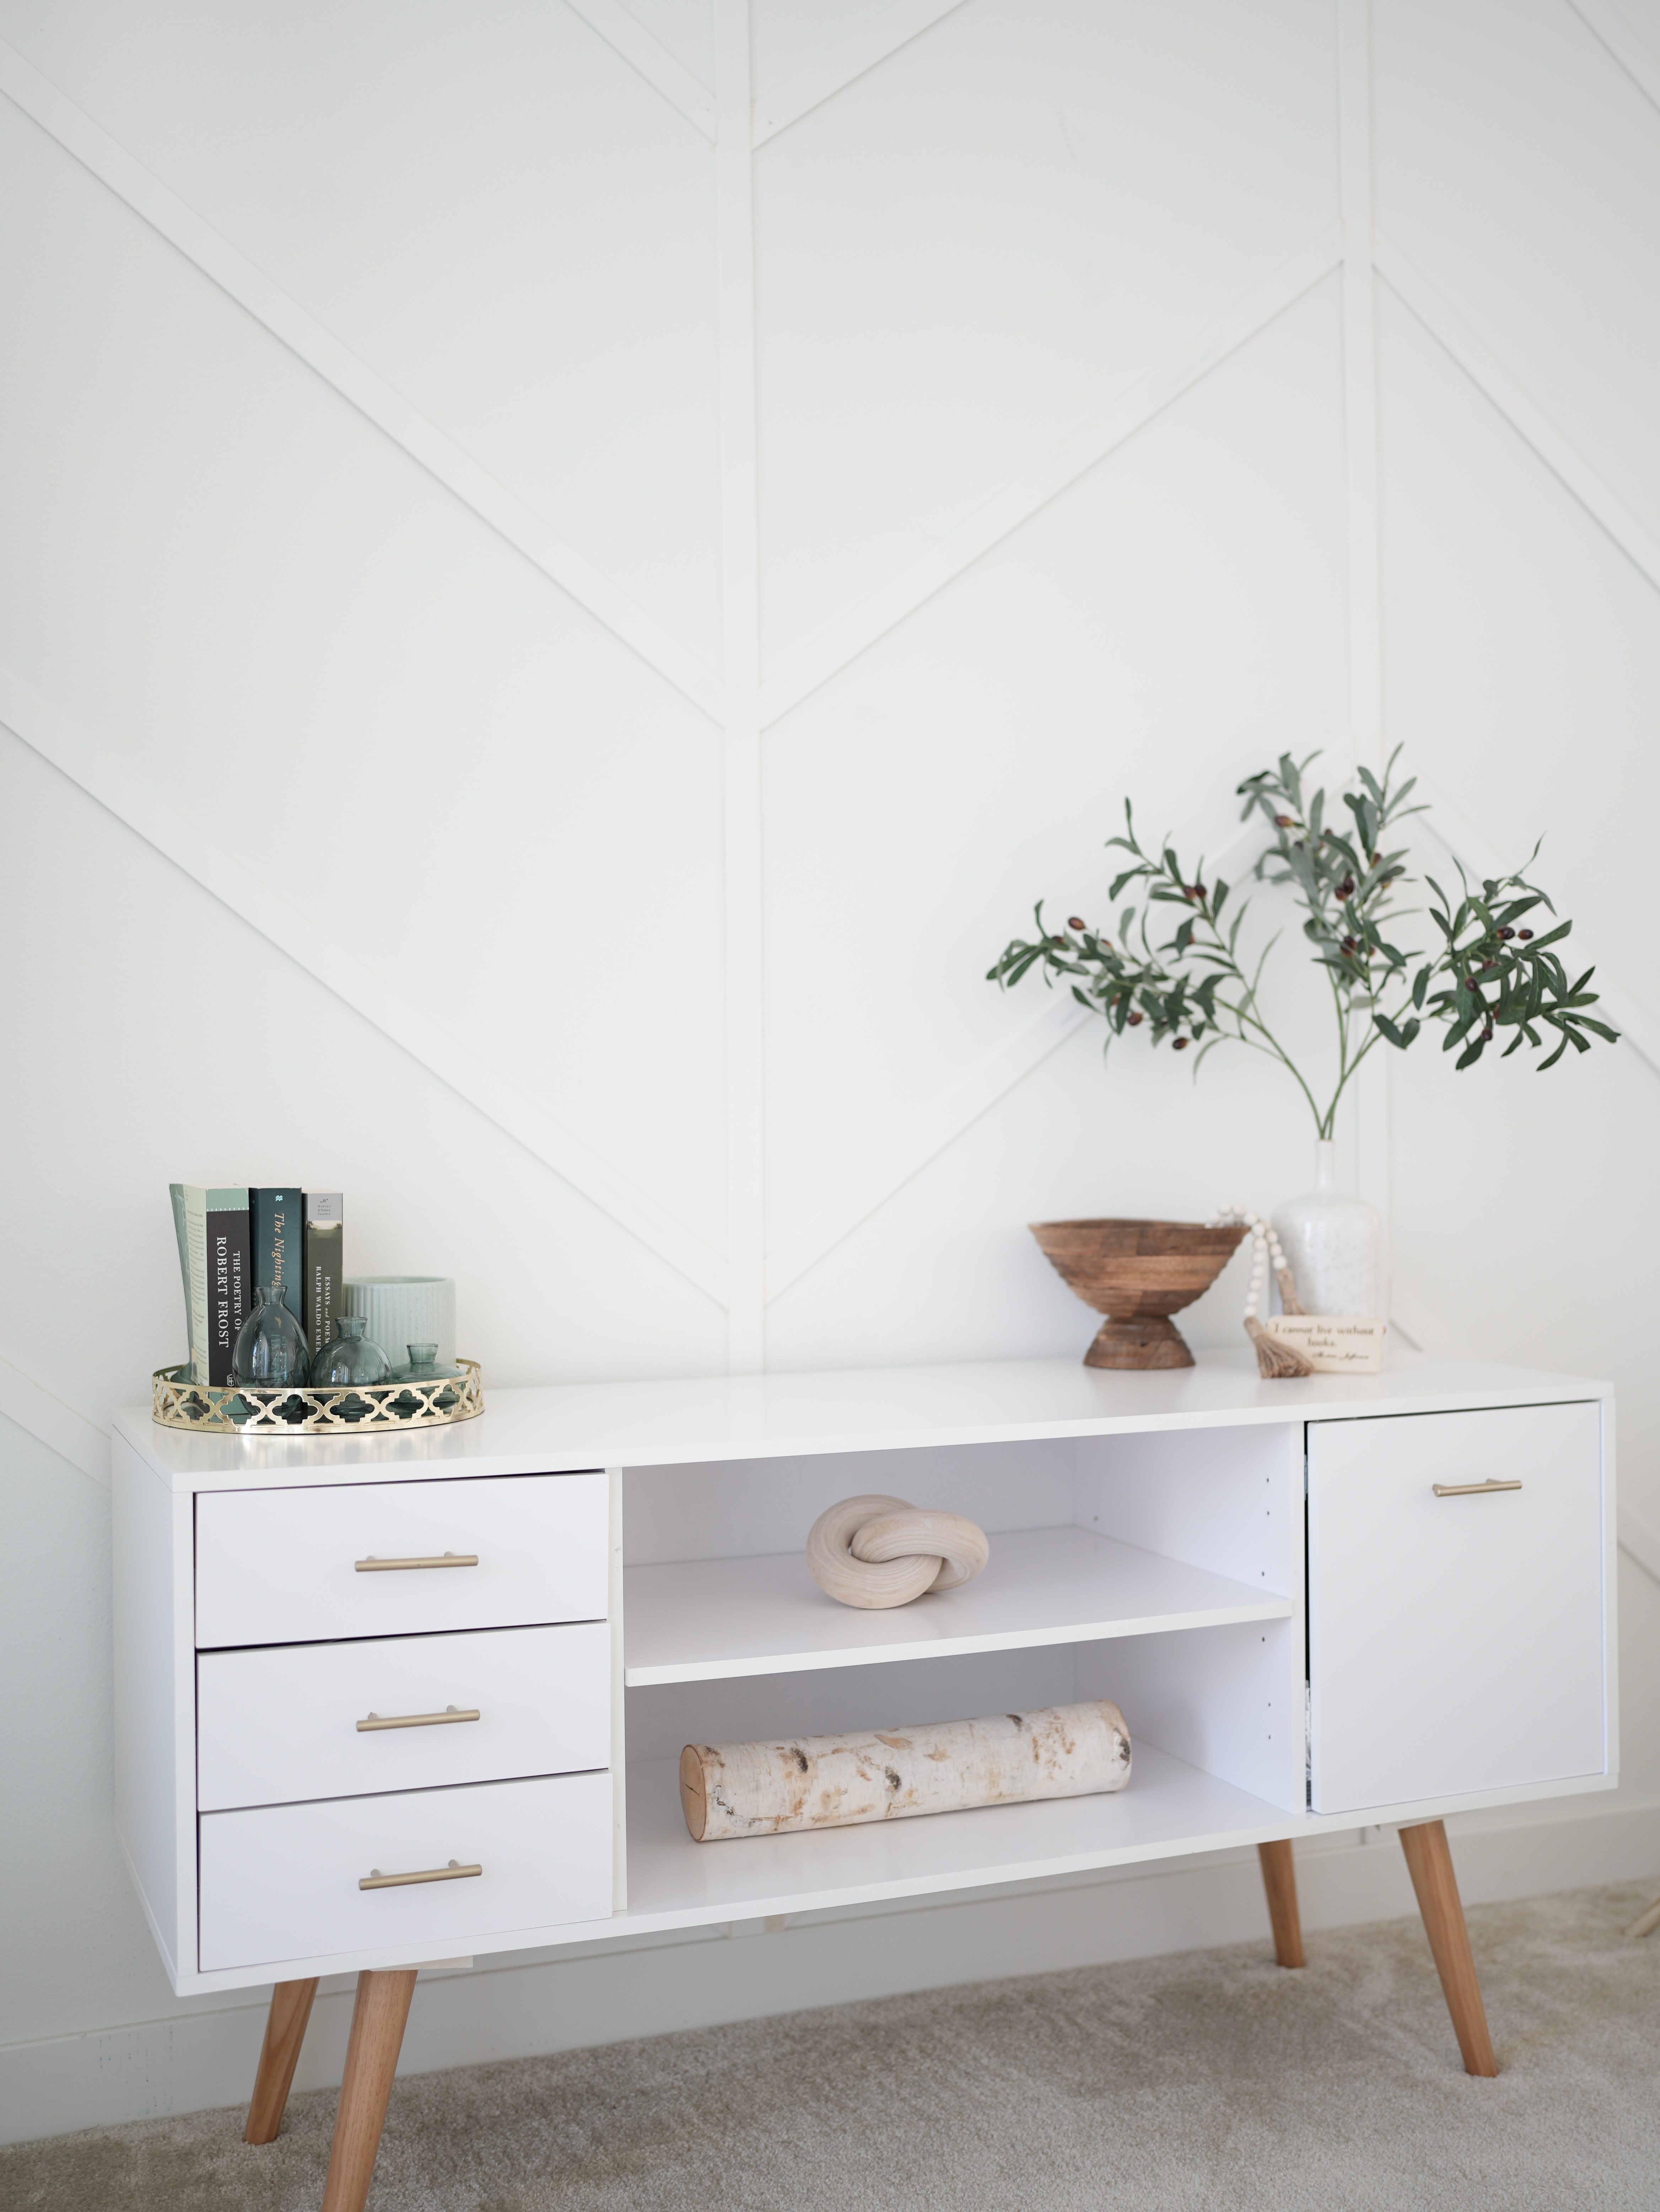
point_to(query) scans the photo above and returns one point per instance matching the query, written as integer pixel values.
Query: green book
(217, 1245)
(276, 1228)
(324, 1211)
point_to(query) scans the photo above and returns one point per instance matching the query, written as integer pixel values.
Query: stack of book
(231, 1240)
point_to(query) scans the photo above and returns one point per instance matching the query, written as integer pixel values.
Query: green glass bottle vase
(270, 1349)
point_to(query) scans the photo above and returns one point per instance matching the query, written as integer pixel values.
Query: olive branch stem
(1487, 973)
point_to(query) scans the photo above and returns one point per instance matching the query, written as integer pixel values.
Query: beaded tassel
(1275, 1362)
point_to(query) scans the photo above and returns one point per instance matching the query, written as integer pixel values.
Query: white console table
(1320, 1604)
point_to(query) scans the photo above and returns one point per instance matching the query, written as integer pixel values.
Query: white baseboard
(605, 1993)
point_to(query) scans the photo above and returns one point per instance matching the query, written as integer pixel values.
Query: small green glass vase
(423, 1366)
(349, 1358)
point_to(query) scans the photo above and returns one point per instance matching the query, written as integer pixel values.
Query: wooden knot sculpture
(877, 1552)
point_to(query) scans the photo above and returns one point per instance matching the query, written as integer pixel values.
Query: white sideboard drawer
(279, 1566)
(1455, 1644)
(280, 1722)
(281, 1881)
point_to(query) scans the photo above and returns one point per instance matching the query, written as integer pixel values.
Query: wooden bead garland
(1276, 1363)
(875, 1552)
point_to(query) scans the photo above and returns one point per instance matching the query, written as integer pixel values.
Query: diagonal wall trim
(1523, 415)
(1632, 53)
(660, 69)
(88, 765)
(921, 1139)
(959, 548)
(1638, 1028)
(70, 1434)
(916, 1142)
(354, 380)
(835, 67)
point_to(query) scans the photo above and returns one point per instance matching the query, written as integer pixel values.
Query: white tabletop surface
(557, 1428)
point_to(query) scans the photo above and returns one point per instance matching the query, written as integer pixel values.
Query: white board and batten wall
(734, 588)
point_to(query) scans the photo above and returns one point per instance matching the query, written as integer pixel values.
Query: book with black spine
(216, 1240)
(276, 1228)
(325, 1234)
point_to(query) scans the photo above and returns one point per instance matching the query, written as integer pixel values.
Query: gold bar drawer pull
(374, 1566)
(454, 1872)
(417, 1720)
(1472, 1489)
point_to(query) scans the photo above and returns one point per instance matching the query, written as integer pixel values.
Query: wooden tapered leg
(1280, 1880)
(1429, 1862)
(377, 2019)
(285, 2031)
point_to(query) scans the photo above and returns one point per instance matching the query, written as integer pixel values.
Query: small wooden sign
(1332, 1344)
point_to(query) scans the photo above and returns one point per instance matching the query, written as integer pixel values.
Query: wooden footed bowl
(1137, 1273)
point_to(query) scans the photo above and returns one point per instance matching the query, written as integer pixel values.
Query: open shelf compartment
(714, 1620)
(1169, 1807)
(1163, 1571)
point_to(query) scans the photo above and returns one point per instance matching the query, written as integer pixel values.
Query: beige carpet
(1212, 2080)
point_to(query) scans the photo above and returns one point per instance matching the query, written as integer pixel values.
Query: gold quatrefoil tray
(298, 1410)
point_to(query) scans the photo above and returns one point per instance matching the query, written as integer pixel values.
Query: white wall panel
(103, 932)
(686, 27)
(788, 35)
(1643, 16)
(948, 1270)
(425, 179)
(1171, 623)
(955, 266)
(280, 598)
(1518, 165)
(968, 250)
(1522, 650)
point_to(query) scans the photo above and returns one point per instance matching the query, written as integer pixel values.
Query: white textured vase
(405, 1309)
(1331, 1242)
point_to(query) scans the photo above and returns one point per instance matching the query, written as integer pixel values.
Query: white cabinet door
(283, 1881)
(1455, 1644)
(284, 1722)
(296, 1566)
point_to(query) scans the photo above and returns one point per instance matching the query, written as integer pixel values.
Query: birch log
(892, 1774)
